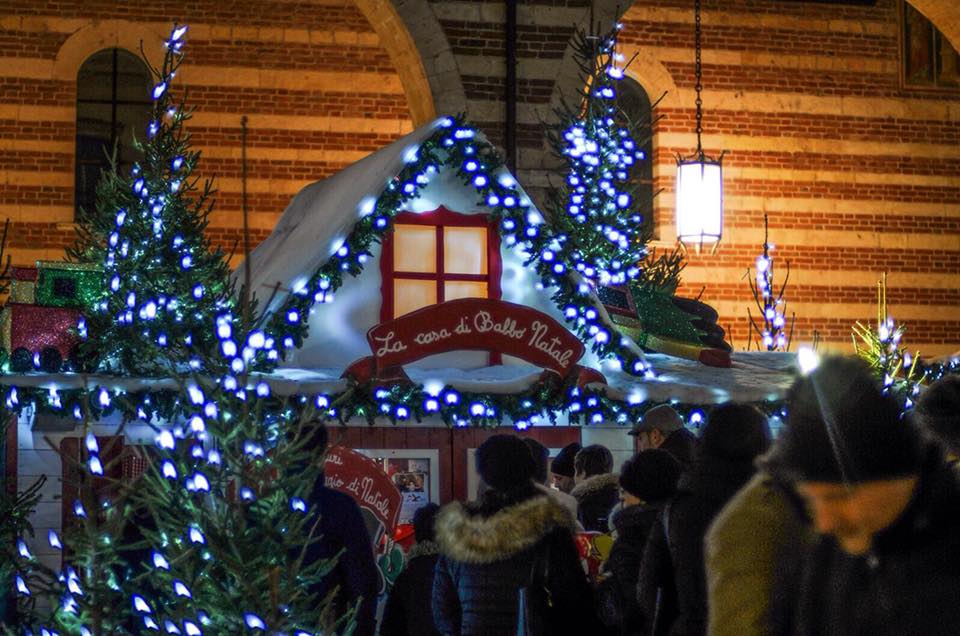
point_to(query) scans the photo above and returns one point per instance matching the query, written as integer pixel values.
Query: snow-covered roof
(321, 215)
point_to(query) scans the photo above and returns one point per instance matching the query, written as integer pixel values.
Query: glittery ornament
(35, 328)
(61, 284)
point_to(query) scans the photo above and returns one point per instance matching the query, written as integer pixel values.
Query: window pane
(133, 79)
(918, 46)
(414, 248)
(95, 78)
(947, 68)
(465, 250)
(453, 289)
(409, 295)
(132, 120)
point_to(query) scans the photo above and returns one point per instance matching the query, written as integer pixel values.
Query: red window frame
(440, 218)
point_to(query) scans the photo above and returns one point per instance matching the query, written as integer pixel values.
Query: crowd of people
(847, 524)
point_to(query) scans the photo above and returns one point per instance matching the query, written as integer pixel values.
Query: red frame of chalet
(440, 218)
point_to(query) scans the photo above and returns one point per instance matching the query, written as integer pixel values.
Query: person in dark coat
(514, 536)
(673, 562)
(885, 506)
(561, 468)
(597, 490)
(662, 427)
(408, 610)
(343, 532)
(938, 413)
(647, 481)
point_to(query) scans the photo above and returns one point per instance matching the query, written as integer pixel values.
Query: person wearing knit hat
(938, 412)
(492, 547)
(650, 477)
(647, 481)
(671, 584)
(504, 462)
(883, 502)
(561, 468)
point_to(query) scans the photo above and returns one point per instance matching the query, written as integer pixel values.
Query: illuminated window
(928, 59)
(113, 105)
(438, 256)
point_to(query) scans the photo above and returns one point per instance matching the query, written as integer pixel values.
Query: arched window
(636, 105)
(113, 105)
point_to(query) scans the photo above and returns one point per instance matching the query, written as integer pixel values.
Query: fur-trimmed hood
(595, 484)
(469, 537)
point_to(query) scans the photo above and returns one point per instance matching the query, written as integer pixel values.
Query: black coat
(342, 528)
(408, 610)
(676, 567)
(618, 592)
(908, 584)
(682, 444)
(487, 555)
(596, 497)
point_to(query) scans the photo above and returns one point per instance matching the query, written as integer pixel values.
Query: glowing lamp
(699, 200)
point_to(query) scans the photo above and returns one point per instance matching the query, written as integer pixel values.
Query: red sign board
(475, 324)
(359, 477)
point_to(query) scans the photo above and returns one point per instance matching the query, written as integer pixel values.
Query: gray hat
(662, 418)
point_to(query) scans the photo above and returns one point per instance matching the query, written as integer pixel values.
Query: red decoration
(35, 328)
(359, 477)
(479, 325)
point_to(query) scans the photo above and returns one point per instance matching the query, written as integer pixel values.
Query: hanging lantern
(699, 179)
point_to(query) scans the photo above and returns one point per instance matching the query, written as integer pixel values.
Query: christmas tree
(601, 225)
(882, 349)
(163, 282)
(771, 331)
(228, 495)
(85, 596)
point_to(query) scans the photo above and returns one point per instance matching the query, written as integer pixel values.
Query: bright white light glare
(699, 202)
(367, 205)
(808, 360)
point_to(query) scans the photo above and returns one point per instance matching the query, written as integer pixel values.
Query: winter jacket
(682, 444)
(752, 549)
(596, 496)
(355, 574)
(486, 556)
(907, 584)
(618, 592)
(408, 612)
(674, 564)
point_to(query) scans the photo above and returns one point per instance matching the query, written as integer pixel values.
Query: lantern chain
(698, 70)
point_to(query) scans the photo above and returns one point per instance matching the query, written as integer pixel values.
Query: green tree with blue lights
(164, 283)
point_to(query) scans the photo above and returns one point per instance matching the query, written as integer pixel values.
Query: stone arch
(105, 34)
(402, 49)
(945, 16)
(435, 55)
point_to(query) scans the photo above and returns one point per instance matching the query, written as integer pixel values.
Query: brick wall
(857, 174)
(317, 84)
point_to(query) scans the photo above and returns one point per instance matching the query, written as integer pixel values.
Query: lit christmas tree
(85, 596)
(163, 283)
(881, 348)
(771, 331)
(599, 221)
(228, 494)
